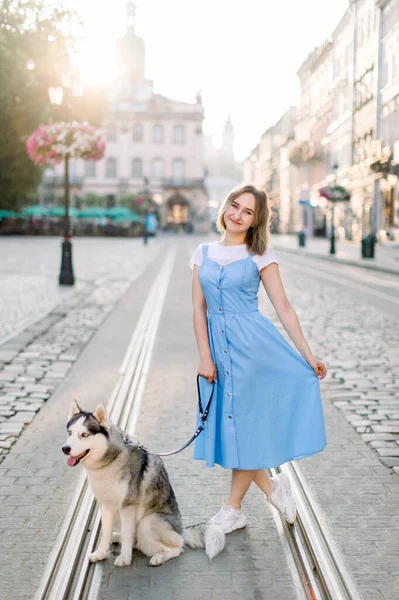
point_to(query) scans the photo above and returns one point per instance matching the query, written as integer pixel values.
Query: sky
(243, 56)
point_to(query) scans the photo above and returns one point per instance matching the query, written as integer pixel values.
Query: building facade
(346, 131)
(154, 145)
(268, 168)
(387, 123)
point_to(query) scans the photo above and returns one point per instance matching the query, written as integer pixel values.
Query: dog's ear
(75, 409)
(101, 415)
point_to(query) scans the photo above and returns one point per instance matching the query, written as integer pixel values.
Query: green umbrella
(132, 218)
(7, 213)
(92, 212)
(117, 211)
(59, 211)
(35, 211)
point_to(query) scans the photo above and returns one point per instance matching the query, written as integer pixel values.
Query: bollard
(368, 243)
(301, 238)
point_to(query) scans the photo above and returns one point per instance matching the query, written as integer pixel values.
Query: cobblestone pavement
(386, 254)
(29, 269)
(33, 363)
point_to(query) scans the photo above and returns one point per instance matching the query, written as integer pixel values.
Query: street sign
(304, 202)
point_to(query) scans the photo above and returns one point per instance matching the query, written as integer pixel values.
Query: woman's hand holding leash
(318, 366)
(207, 369)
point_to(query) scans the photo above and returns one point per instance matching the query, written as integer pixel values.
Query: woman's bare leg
(263, 481)
(240, 482)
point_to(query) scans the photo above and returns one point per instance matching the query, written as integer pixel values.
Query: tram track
(318, 562)
(316, 566)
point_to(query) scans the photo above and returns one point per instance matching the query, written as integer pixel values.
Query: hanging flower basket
(49, 144)
(335, 193)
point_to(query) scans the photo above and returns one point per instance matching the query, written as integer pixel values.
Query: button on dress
(266, 409)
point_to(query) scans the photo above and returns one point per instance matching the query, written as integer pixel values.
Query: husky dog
(132, 486)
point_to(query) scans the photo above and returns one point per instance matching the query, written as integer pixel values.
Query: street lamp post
(66, 276)
(332, 241)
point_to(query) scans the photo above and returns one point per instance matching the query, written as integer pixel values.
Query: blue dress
(266, 408)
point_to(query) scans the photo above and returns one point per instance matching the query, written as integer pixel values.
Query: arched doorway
(178, 215)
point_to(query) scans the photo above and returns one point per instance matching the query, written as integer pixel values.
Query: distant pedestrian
(150, 225)
(266, 408)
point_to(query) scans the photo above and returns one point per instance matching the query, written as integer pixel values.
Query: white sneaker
(229, 519)
(281, 497)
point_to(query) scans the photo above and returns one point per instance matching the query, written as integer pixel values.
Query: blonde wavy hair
(258, 236)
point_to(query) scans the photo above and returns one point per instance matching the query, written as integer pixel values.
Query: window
(137, 132)
(111, 167)
(90, 168)
(137, 168)
(111, 133)
(178, 134)
(157, 134)
(178, 170)
(157, 168)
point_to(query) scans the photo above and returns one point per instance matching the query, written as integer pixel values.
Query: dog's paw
(123, 561)
(157, 559)
(98, 555)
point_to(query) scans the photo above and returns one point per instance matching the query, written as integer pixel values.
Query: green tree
(36, 42)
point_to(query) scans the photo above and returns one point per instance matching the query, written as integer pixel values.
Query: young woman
(266, 408)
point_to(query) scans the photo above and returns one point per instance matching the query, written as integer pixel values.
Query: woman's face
(240, 215)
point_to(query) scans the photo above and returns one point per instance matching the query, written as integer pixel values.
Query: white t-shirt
(224, 255)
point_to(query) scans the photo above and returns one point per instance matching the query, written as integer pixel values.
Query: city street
(124, 334)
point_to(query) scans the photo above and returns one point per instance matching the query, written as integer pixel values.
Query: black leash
(203, 417)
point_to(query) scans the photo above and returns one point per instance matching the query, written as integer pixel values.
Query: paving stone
(6, 413)
(388, 451)
(24, 380)
(382, 444)
(7, 376)
(39, 395)
(7, 356)
(385, 428)
(37, 387)
(6, 444)
(16, 369)
(389, 461)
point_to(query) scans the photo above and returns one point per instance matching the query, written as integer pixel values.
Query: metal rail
(319, 564)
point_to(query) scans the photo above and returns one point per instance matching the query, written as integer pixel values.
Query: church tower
(131, 48)
(228, 139)
(130, 52)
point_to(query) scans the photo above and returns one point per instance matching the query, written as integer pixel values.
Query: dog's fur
(132, 486)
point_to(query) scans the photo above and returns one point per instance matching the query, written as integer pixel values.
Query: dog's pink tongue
(72, 461)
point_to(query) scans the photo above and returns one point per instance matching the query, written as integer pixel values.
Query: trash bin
(301, 238)
(368, 243)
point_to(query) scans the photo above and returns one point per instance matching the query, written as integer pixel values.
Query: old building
(309, 153)
(155, 144)
(268, 167)
(365, 68)
(338, 142)
(387, 119)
